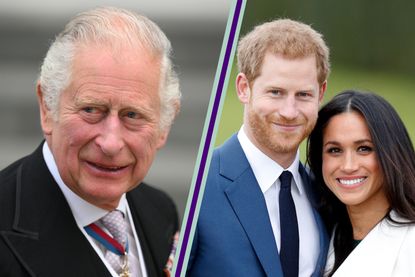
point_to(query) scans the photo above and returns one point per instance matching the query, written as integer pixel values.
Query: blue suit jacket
(234, 235)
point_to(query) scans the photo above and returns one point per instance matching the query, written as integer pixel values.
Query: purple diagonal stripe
(208, 136)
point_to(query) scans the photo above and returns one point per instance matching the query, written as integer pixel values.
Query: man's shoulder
(229, 152)
(9, 177)
(26, 166)
(10, 170)
(8, 180)
(229, 144)
(229, 159)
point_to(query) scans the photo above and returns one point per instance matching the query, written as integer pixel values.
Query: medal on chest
(125, 272)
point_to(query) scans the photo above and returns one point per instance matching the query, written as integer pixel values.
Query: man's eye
(89, 110)
(132, 115)
(275, 92)
(92, 114)
(304, 94)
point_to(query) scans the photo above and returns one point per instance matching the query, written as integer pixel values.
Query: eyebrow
(355, 142)
(89, 100)
(273, 87)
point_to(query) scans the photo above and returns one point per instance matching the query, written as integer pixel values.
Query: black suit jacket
(39, 235)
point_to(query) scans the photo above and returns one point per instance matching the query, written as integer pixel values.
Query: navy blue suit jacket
(234, 236)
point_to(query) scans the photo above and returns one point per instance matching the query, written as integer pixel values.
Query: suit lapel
(44, 236)
(249, 205)
(154, 232)
(143, 238)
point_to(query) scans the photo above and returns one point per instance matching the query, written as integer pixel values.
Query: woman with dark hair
(364, 164)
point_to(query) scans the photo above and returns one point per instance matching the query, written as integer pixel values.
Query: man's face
(107, 130)
(281, 104)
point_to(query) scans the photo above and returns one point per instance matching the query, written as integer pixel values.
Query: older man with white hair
(107, 94)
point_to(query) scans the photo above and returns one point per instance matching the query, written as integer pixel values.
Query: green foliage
(369, 34)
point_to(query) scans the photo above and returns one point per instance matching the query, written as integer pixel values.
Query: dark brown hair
(396, 157)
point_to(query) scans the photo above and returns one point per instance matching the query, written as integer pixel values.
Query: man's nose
(289, 109)
(110, 139)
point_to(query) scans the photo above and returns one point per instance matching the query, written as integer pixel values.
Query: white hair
(113, 27)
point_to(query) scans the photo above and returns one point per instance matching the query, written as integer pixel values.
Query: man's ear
(323, 89)
(162, 139)
(46, 118)
(242, 88)
(164, 133)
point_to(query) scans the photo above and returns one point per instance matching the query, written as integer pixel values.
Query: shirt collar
(265, 169)
(84, 212)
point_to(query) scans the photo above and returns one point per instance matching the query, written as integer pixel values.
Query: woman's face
(350, 166)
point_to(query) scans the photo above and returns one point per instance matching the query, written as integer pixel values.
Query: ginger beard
(268, 135)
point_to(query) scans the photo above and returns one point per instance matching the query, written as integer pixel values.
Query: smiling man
(108, 95)
(258, 216)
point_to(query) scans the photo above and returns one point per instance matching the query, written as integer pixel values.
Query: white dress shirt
(85, 213)
(267, 172)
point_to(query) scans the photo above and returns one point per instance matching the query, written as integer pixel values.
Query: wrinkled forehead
(94, 65)
(118, 48)
(125, 57)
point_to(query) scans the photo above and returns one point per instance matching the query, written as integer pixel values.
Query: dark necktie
(289, 250)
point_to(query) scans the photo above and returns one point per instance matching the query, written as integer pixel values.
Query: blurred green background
(372, 48)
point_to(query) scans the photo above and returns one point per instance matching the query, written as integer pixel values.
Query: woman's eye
(364, 149)
(333, 150)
